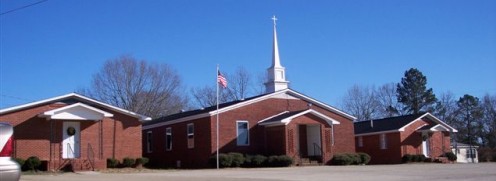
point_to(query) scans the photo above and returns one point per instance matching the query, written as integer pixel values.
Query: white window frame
(192, 134)
(149, 141)
(168, 132)
(247, 133)
(360, 141)
(383, 141)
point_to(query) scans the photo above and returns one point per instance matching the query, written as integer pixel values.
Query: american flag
(221, 80)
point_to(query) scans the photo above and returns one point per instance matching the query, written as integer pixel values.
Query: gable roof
(77, 111)
(212, 110)
(79, 98)
(285, 117)
(395, 124)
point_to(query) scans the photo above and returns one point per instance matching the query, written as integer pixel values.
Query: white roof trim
(287, 120)
(437, 127)
(245, 103)
(433, 118)
(77, 111)
(140, 117)
(285, 91)
(184, 119)
(375, 133)
(284, 112)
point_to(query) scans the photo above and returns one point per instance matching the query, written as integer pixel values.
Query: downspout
(51, 144)
(113, 140)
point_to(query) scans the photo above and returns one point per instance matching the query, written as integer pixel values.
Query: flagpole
(217, 116)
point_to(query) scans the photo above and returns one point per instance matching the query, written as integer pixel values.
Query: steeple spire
(276, 62)
(276, 73)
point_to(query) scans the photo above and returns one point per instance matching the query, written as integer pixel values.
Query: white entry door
(313, 140)
(425, 146)
(71, 137)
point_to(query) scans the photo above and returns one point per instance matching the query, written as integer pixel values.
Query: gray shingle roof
(386, 124)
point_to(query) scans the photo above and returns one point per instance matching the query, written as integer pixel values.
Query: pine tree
(412, 92)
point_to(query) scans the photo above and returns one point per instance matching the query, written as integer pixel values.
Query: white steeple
(276, 73)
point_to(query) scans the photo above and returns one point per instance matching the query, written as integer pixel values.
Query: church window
(243, 134)
(383, 141)
(149, 142)
(191, 135)
(168, 139)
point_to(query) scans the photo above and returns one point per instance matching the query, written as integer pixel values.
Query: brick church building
(388, 140)
(280, 122)
(73, 131)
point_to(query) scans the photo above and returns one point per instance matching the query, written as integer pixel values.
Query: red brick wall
(188, 157)
(371, 146)
(32, 136)
(262, 140)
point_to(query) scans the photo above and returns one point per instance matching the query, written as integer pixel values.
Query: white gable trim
(376, 133)
(287, 120)
(189, 118)
(120, 110)
(290, 94)
(278, 94)
(434, 119)
(77, 111)
(261, 121)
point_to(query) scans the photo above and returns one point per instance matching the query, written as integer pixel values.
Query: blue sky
(55, 47)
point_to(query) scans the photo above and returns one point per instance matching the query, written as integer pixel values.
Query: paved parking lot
(431, 172)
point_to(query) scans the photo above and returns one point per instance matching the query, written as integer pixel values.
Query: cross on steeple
(274, 19)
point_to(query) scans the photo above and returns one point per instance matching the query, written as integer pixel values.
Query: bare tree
(259, 87)
(446, 108)
(361, 102)
(135, 85)
(239, 87)
(207, 96)
(388, 102)
(489, 120)
(239, 84)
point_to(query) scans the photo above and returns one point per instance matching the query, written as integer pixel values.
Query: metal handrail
(318, 150)
(91, 156)
(70, 150)
(71, 160)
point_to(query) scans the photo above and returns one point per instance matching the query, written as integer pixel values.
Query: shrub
(128, 162)
(365, 158)
(451, 156)
(255, 161)
(279, 161)
(20, 161)
(407, 158)
(224, 160)
(421, 158)
(112, 163)
(355, 158)
(342, 159)
(142, 160)
(237, 159)
(33, 163)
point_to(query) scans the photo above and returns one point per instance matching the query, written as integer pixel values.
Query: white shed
(465, 153)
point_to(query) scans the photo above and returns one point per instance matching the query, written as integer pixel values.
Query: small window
(168, 139)
(360, 141)
(383, 141)
(471, 153)
(149, 142)
(191, 135)
(243, 134)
